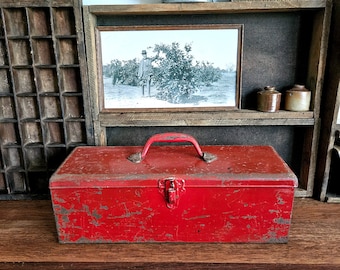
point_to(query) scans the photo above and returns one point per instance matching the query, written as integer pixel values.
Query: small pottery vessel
(268, 99)
(297, 99)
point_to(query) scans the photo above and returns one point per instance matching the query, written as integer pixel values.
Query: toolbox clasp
(171, 188)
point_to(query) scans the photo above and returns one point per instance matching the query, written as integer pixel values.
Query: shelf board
(225, 118)
(22, 66)
(41, 37)
(72, 94)
(66, 36)
(17, 37)
(67, 66)
(204, 8)
(55, 145)
(15, 169)
(76, 144)
(8, 120)
(332, 197)
(43, 66)
(29, 120)
(6, 94)
(11, 145)
(34, 145)
(74, 119)
(49, 94)
(301, 193)
(35, 4)
(53, 120)
(26, 94)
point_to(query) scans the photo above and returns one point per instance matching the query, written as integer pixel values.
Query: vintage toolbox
(173, 192)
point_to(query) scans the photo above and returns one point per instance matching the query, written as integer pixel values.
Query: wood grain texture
(37, 3)
(228, 7)
(240, 117)
(28, 239)
(330, 107)
(42, 60)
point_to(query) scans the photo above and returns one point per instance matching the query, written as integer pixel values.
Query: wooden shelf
(209, 8)
(260, 63)
(320, 11)
(226, 118)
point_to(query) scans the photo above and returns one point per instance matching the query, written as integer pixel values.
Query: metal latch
(171, 188)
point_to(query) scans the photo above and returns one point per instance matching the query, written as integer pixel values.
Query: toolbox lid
(109, 166)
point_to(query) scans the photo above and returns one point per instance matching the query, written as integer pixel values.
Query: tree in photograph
(122, 72)
(128, 74)
(114, 70)
(207, 73)
(177, 77)
(175, 74)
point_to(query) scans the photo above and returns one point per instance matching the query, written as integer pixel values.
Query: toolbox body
(243, 194)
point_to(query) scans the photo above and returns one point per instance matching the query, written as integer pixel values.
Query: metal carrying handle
(171, 137)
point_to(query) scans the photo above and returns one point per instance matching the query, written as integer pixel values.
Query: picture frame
(184, 68)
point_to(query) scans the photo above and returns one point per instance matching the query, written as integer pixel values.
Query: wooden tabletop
(28, 239)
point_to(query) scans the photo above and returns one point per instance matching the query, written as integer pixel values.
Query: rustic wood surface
(329, 114)
(42, 58)
(225, 118)
(28, 238)
(182, 8)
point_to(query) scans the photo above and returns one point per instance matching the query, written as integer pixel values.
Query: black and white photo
(194, 67)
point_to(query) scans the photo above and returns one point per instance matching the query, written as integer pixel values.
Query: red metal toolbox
(173, 193)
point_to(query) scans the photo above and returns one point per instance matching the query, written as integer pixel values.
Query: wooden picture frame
(169, 67)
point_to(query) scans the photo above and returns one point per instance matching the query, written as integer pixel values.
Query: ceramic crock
(268, 99)
(298, 98)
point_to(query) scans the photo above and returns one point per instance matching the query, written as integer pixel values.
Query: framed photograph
(169, 68)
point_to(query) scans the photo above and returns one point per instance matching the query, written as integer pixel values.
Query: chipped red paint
(245, 195)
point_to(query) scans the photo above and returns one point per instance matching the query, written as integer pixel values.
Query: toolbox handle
(172, 137)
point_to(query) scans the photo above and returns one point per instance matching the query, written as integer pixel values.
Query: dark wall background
(286, 140)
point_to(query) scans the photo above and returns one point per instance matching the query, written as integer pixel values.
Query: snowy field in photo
(220, 94)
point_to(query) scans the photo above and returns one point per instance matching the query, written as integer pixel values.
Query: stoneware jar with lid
(268, 99)
(297, 98)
